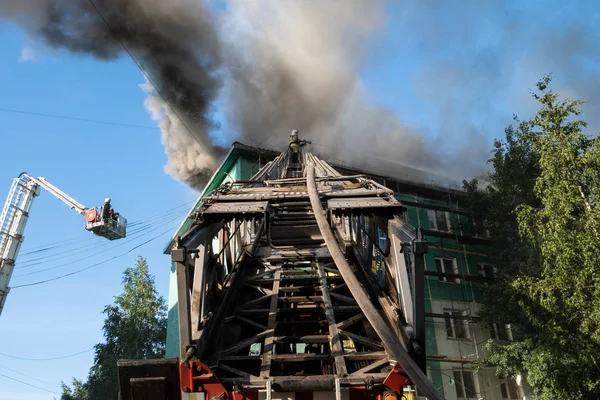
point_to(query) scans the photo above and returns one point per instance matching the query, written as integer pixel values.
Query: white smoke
(189, 159)
(294, 65)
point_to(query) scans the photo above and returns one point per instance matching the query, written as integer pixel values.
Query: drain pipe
(389, 339)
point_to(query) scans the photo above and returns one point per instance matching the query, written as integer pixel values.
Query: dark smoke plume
(296, 65)
(175, 42)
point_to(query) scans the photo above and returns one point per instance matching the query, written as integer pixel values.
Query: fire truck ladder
(15, 214)
(277, 293)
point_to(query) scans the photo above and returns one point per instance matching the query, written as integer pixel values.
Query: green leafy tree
(135, 328)
(540, 205)
(78, 391)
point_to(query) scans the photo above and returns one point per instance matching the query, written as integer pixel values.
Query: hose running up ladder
(387, 336)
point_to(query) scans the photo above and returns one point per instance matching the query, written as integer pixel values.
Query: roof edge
(202, 194)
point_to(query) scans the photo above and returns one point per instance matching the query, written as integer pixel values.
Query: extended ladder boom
(59, 194)
(16, 212)
(12, 225)
(299, 282)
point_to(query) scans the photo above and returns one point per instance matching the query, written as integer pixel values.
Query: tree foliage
(540, 205)
(135, 328)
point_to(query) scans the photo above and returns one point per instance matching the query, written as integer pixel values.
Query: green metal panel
(436, 374)
(467, 256)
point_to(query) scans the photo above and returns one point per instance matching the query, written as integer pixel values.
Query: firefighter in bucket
(108, 212)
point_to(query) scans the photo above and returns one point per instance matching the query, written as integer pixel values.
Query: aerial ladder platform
(15, 214)
(300, 283)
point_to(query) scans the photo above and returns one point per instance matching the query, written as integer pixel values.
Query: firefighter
(108, 211)
(295, 144)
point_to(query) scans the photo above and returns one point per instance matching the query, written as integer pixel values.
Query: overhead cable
(88, 256)
(29, 384)
(9, 110)
(136, 234)
(93, 265)
(79, 239)
(25, 375)
(47, 359)
(114, 33)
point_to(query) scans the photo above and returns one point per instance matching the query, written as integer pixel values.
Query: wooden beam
(258, 288)
(362, 340)
(267, 355)
(370, 367)
(298, 272)
(301, 357)
(350, 321)
(345, 299)
(337, 287)
(332, 270)
(255, 302)
(215, 324)
(336, 343)
(302, 299)
(373, 355)
(183, 309)
(302, 339)
(198, 285)
(263, 274)
(235, 371)
(295, 289)
(245, 343)
(250, 322)
(240, 358)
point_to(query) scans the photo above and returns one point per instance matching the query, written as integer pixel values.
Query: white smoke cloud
(188, 159)
(294, 65)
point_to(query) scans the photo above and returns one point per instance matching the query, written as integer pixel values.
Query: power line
(25, 375)
(29, 384)
(85, 258)
(132, 235)
(47, 359)
(93, 265)
(143, 222)
(95, 121)
(144, 72)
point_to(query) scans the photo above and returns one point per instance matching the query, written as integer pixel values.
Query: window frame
(505, 389)
(445, 279)
(450, 322)
(459, 384)
(432, 216)
(483, 272)
(495, 329)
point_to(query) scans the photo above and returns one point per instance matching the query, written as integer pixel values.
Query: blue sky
(89, 162)
(452, 73)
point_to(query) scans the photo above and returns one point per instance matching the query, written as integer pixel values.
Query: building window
(439, 220)
(480, 231)
(500, 332)
(486, 270)
(509, 389)
(464, 382)
(457, 325)
(447, 266)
